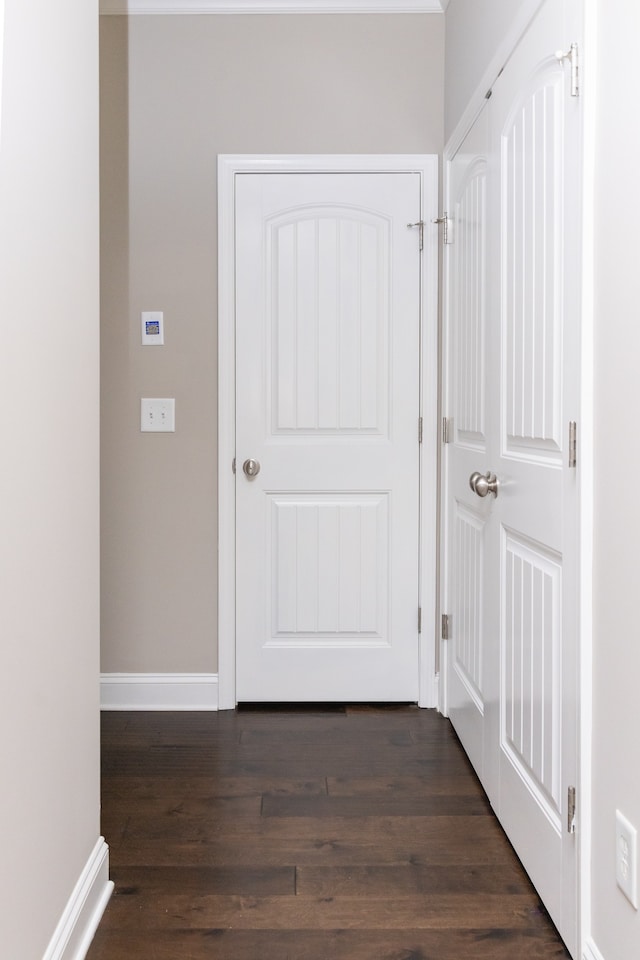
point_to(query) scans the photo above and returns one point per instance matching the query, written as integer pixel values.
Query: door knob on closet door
(484, 484)
(251, 468)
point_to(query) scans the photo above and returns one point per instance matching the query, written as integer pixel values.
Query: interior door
(471, 687)
(327, 484)
(536, 143)
(525, 519)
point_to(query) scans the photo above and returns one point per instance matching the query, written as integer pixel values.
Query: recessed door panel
(468, 612)
(532, 246)
(328, 314)
(330, 570)
(531, 707)
(468, 293)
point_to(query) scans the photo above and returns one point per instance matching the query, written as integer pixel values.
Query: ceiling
(270, 6)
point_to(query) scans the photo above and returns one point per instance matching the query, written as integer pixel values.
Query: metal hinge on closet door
(445, 220)
(420, 225)
(572, 56)
(446, 626)
(573, 444)
(571, 810)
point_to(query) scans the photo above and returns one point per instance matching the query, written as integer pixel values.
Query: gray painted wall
(176, 92)
(49, 601)
(616, 665)
(475, 33)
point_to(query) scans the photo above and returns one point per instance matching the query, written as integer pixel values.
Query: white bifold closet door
(512, 390)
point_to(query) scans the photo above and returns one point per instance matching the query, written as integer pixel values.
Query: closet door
(471, 684)
(512, 539)
(536, 132)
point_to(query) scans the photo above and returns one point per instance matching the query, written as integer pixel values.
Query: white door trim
(229, 166)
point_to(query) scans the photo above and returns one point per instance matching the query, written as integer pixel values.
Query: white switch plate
(626, 858)
(157, 415)
(152, 328)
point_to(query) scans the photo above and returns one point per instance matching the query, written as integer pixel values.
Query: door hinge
(572, 56)
(446, 626)
(447, 233)
(419, 619)
(420, 225)
(419, 429)
(233, 465)
(573, 444)
(571, 810)
(447, 429)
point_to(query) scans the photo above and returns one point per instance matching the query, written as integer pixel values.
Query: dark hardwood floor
(306, 834)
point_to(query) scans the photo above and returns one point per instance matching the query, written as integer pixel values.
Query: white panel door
(536, 155)
(512, 587)
(327, 344)
(471, 687)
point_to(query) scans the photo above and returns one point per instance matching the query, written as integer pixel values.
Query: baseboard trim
(590, 951)
(159, 691)
(83, 912)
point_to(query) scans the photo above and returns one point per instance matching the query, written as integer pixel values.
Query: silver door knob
(484, 484)
(251, 468)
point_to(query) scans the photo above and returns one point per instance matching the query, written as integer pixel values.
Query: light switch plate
(626, 858)
(157, 415)
(152, 328)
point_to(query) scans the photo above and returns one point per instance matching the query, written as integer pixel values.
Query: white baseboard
(590, 951)
(83, 912)
(159, 691)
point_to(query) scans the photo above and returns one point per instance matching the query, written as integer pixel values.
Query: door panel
(327, 337)
(466, 400)
(531, 245)
(536, 135)
(513, 559)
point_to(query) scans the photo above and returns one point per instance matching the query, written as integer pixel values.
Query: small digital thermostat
(152, 328)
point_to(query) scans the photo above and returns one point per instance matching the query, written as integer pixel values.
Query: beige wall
(49, 757)
(176, 92)
(616, 668)
(475, 33)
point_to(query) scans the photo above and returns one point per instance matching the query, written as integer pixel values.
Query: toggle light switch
(157, 415)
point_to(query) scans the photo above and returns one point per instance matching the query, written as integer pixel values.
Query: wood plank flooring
(345, 833)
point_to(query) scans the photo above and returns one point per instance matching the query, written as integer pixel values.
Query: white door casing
(326, 465)
(525, 542)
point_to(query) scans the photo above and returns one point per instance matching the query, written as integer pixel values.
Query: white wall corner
(151, 7)
(590, 951)
(526, 13)
(83, 912)
(159, 691)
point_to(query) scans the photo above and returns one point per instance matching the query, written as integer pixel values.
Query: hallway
(331, 833)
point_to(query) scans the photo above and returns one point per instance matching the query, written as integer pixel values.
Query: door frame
(229, 167)
(585, 479)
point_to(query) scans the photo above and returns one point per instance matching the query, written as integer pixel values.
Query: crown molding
(150, 7)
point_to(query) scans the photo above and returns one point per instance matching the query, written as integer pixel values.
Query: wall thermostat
(152, 328)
